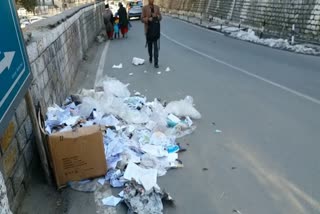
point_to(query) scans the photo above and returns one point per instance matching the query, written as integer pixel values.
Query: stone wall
(55, 49)
(278, 16)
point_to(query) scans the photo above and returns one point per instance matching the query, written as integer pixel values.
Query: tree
(28, 4)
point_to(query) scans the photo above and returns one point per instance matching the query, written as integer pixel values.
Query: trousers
(153, 47)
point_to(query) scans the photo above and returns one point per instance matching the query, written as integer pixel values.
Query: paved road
(265, 101)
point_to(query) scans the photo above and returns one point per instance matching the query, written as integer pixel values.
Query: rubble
(139, 139)
(275, 43)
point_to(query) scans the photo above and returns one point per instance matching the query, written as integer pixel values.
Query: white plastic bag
(183, 108)
(116, 88)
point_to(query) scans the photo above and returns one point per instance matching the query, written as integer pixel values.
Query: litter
(130, 74)
(101, 181)
(117, 66)
(145, 72)
(183, 108)
(111, 201)
(146, 177)
(137, 61)
(168, 69)
(159, 72)
(139, 139)
(218, 131)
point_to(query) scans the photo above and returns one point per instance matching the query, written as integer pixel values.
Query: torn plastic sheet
(117, 66)
(137, 61)
(111, 201)
(183, 108)
(114, 178)
(144, 202)
(146, 177)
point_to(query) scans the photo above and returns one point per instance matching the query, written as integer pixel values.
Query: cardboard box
(77, 155)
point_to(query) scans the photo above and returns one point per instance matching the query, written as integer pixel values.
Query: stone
(45, 77)
(21, 138)
(8, 135)
(5, 208)
(39, 62)
(28, 152)
(28, 127)
(18, 174)
(10, 158)
(21, 112)
(10, 193)
(18, 198)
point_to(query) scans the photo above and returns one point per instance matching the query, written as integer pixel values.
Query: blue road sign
(14, 65)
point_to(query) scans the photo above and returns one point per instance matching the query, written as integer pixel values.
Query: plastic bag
(116, 88)
(183, 108)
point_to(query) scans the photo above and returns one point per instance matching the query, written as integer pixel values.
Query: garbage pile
(139, 141)
(251, 36)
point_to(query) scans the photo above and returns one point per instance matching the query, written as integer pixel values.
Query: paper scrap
(131, 74)
(168, 69)
(121, 194)
(137, 61)
(101, 181)
(146, 177)
(111, 201)
(218, 131)
(154, 150)
(159, 72)
(117, 66)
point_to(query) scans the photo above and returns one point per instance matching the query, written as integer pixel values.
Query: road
(265, 101)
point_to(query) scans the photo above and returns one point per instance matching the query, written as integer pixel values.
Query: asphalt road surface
(266, 102)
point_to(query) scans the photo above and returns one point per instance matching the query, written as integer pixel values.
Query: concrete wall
(54, 54)
(277, 15)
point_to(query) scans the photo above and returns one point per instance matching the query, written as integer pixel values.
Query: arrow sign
(6, 61)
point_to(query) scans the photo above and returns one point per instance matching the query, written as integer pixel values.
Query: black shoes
(156, 65)
(150, 59)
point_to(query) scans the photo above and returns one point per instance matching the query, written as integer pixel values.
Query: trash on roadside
(183, 108)
(159, 72)
(130, 74)
(141, 201)
(218, 131)
(77, 154)
(168, 69)
(117, 66)
(137, 61)
(137, 140)
(111, 201)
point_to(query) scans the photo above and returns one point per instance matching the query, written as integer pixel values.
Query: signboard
(14, 64)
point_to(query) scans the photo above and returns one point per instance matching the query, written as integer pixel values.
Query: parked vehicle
(34, 19)
(134, 9)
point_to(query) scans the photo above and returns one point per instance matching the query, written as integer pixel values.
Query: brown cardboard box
(77, 155)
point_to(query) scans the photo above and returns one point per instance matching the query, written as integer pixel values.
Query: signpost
(15, 73)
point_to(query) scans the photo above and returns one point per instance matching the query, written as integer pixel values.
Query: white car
(34, 19)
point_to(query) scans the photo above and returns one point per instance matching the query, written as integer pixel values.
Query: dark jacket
(123, 17)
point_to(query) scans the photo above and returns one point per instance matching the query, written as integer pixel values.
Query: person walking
(108, 21)
(151, 18)
(123, 20)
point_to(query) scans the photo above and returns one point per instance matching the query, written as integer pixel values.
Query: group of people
(116, 23)
(151, 18)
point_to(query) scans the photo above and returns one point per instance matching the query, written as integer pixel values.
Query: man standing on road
(151, 18)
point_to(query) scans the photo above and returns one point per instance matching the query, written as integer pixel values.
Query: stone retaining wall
(277, 16)
(55, 51)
